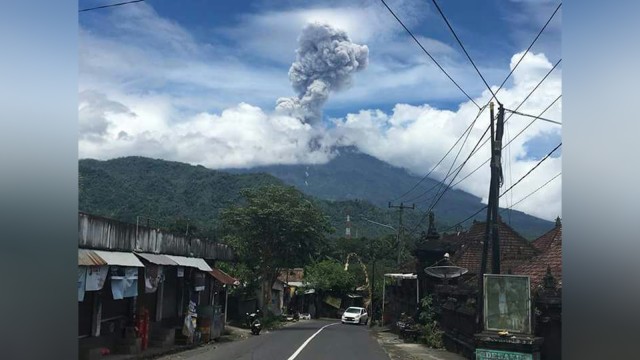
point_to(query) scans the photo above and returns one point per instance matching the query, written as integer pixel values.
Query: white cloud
(241, 136)
(413, 136)
(184, 101)
(93, 108)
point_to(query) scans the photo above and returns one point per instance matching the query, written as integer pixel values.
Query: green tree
(329, 275)
(431, 335)
(274, 229)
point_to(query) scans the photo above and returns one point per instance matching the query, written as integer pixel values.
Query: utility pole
(401, 208)
(491, 229)
(497, 166)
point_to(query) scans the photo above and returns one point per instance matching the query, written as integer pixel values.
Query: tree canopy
(330, 275)
(274, 228)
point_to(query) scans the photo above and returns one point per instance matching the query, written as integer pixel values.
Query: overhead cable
(465, 50)
(428, 54)
(111, 5)
(533, 168)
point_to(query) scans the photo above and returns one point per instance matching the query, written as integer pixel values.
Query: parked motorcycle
(253, 322)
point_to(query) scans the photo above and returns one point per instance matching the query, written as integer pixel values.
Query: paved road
(334, 342)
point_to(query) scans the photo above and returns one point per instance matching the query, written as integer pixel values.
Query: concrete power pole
(401, 208)
(497, 166)
(492, 227)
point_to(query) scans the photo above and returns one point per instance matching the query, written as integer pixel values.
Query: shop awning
(117, 258)
(223, 277)
(197, 263)
(87, 257)
(157, 259)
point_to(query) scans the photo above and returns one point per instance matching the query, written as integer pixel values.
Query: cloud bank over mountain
(171, 97)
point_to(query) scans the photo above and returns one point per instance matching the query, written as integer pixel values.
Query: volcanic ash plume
(325, 60)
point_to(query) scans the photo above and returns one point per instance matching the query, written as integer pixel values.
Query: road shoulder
(399, 350)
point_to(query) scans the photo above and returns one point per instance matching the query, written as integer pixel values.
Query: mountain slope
(175, 193)
(353, 175)
(128, 187)
(172, 193)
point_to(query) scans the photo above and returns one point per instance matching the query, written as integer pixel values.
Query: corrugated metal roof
(87, 257)
(157, 259)
(118, 258)
(197, 263)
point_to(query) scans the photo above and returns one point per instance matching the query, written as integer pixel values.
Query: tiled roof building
(543, 242)
(550, 258)
(514, 249)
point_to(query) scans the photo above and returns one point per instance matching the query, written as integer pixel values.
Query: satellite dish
(446, 272)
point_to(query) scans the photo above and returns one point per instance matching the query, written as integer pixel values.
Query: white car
(355, 315)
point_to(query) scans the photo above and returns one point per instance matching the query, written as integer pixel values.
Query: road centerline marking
(304, 344)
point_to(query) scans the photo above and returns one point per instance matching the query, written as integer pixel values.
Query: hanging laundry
(153, 276)
(82, 278)
(95, 278)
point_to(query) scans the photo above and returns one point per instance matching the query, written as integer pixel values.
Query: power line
(534, 191)
(534, 119)
(509, 167)
(111, 5)
(456, 158)
(536, 87)
(527, 98)
(505, 209)
(428, 54)
(442, 159)
(449, 185)
(465, 50)
(533, 116)
(444, 179)
(468, 218)
(459, 170)
(510, 115)
(506, 191)
(533, 168)
(529, 48)
(481, 109)
(510, 141)
(479, 113)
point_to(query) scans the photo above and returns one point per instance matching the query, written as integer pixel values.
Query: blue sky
(488, 29)
(197, 81)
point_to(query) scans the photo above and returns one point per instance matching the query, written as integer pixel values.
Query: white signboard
(507, 303)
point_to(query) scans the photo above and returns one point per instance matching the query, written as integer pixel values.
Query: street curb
(183, 348)
(171, 351)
